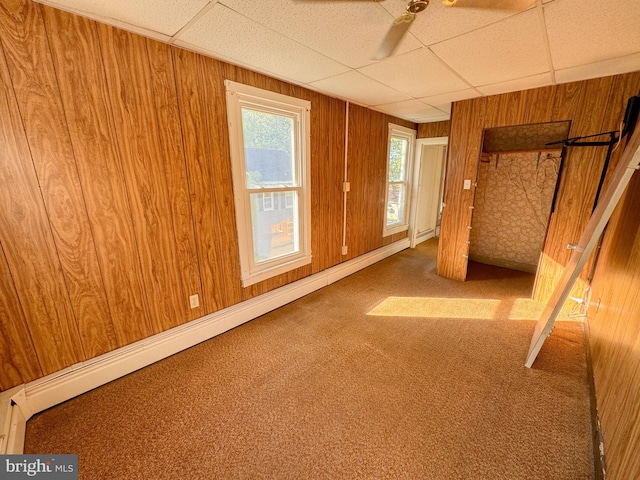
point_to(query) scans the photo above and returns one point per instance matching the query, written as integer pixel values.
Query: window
(399, 161)
(267, 201)
(270, 140)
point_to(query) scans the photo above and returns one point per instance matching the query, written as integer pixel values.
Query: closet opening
(516, 185)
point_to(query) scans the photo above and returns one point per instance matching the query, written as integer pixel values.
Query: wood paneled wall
(434, 129)
(116, 200)
(592, 106)
(366, 171)
(614, 334)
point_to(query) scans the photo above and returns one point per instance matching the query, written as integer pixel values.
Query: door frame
(415, 188)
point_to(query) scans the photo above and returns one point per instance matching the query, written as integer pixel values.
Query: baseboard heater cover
(22, 402)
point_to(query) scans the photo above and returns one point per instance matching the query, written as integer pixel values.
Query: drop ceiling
(475, 48)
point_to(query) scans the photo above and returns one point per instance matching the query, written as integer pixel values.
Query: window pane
(397, 159)
(395, 204)
(275, 229)
(269, 149)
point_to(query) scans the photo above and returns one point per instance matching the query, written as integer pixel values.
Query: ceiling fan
(401, 25)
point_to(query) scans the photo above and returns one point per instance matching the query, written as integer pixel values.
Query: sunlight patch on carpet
(473, 308)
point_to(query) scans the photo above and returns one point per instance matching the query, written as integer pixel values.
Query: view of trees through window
(270, 163)
(397, 188)
(272, 135)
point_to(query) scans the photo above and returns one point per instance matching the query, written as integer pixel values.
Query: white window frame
(239, 96)
(267, 201)
(410, 135)
(288, 200)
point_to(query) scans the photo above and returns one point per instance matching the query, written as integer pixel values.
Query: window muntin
(399, 161)
(270, 138)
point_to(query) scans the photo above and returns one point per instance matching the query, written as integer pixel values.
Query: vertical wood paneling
(195, 132)
(170, 143)
(538, 105)
(129, 82)
(364, 200)
(614, 321)
(624, 87)
(462, 163)
(34, 82)
(215, 101)
(566, 101)
(18, 360)
(434, 129)
(327, 174)
(377, 161)
(33, 259)
(80, 73)
(577, 188)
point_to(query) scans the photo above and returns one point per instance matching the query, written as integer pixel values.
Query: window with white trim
(270, 151)
(399, 161)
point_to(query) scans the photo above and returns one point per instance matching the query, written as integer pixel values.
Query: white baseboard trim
(12, 423)
(26, 400)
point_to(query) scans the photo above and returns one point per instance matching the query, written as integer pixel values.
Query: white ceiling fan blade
(394, 35)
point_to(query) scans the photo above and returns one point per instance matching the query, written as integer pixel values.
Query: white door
(431, 154)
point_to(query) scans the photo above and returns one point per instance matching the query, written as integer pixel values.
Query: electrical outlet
(467, 185)
(194, 301)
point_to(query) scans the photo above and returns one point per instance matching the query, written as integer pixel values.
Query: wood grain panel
(129, 82)
(453, 210)
(577, 190)
(34, 82)
(18, 360)
(215, 98)
(624, 87)
(32, 256)
(366, 172)
(566, 101)
(376, 158)
(195, 134)
(614, 321)
(538, 105)
(434, 129)
(80, 73)
(465, 144)
(327, 174)
(165, 99)
(505, 109)
(360, 172)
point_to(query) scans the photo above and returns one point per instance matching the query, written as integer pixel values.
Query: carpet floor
(390, 373)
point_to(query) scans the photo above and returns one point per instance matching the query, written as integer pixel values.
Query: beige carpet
(350, 382)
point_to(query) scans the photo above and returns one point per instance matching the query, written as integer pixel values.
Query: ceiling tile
(588, 31)
(410, 109)
(533, 81)
(418, 73)
(445, 108)
(513, 48)
(164, 16)
(451, 97)
(438, 23)
(224, 33)
(628, 63)
(357, 87)
(346, 31)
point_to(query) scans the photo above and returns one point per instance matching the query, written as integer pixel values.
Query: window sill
(267, 273)
(392, 231)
